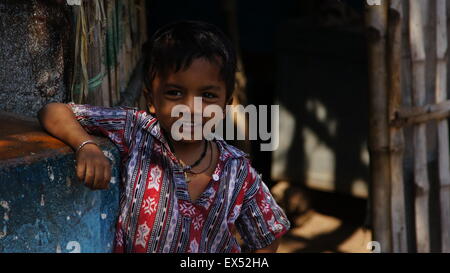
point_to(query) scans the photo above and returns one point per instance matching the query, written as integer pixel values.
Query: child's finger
(81, 169)
(89, 177)
(98, 177)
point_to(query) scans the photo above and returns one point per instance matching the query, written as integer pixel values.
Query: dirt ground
(325, 222)
(323, 233)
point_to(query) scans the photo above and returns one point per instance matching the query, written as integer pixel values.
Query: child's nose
(194, 103)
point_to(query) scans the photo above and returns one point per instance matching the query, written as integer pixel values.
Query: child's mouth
(191, 125)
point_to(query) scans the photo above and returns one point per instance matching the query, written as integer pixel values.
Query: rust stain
(23, 141)
(21, 138)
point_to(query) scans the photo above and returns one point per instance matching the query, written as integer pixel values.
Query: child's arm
(92, 165)
(261, 220)
(272, 248)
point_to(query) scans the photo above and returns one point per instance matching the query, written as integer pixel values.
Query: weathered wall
(34, 54)
(43, 206)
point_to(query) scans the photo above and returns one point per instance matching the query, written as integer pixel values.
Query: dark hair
(175, 46)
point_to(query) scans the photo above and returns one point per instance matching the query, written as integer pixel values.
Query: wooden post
(396, 141)
(94, 52)
(443, 143)
(417, 20)
(376, 22)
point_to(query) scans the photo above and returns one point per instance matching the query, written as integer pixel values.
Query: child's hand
(93, 167)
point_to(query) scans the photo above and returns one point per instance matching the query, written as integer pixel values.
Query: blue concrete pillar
(43, 206)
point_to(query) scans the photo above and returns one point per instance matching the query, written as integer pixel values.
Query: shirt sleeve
(114, 123)
(261, 219)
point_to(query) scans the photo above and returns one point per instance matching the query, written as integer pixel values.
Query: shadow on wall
(322, 92)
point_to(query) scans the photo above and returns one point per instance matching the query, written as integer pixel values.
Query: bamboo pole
(443, 143)
(376, 22)
(396, 141)
(110, 7)
(105, 87)
(426, 109)
(408, 155)
(415, 115)
(417, 20)
(94, 47)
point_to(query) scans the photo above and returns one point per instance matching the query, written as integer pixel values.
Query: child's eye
(173, 93)
(209, 95)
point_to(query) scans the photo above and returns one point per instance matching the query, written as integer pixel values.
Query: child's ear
(151, 109)
(149, 99)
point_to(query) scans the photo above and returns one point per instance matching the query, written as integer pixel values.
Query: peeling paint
(109, 155)
(3, 232)
(68, 181)
(58, 248)
(5, 206)
(104, 215)
(50, 173)
(42, 200)
(73, 247)
(113, 180)
(68, 218)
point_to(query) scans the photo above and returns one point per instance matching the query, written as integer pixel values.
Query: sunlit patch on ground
(322, 233)
(322, 221)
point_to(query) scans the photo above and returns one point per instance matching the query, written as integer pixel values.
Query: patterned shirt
(156, 211)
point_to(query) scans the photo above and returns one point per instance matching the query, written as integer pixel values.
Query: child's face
(201, 79)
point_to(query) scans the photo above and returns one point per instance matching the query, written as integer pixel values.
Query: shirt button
(215, 177)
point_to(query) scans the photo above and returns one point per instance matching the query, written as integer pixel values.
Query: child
(178, 196)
